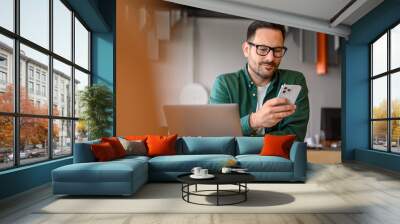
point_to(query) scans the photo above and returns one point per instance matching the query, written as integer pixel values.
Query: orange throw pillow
(103, 152)
(136, 137)
(277, 145)
(161, 145)
(116, 145)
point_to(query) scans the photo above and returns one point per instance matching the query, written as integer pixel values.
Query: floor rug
(167, 198)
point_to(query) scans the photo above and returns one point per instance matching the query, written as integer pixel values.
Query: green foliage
(97, 102)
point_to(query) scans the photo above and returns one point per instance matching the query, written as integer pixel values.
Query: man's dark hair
(254, 26)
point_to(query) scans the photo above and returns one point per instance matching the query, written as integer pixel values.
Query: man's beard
(261, 73)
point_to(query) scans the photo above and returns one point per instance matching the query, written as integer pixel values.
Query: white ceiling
(315, 15)
(320, 9)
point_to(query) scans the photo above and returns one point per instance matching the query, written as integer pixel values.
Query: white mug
(196, 170)
(203, 172)
(226, 170)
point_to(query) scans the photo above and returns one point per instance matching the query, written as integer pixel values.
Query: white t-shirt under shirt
(261, 91)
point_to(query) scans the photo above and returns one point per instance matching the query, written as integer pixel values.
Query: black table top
(220, 178)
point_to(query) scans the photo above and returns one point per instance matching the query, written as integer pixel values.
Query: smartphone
(290, 92)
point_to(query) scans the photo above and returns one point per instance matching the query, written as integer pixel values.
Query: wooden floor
(378, 189)
(324, 156)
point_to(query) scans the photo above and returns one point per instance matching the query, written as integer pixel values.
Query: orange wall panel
(135, 89)
(322, 54)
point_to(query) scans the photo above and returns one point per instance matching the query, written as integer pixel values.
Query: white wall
(174, 69)
(203, 48)
(218, 48)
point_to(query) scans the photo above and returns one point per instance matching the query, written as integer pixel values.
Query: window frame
(5, 58)
(3, 77)
(16, 114)
(388, 74)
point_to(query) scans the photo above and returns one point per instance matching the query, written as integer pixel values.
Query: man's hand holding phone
(274, 110)
(271, 113)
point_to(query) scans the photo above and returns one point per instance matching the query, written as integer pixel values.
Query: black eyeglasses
(263, 50)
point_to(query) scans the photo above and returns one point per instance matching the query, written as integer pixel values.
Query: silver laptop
(203, 120)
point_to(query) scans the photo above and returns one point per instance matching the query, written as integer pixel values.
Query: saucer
(240, 171)
(208, 176)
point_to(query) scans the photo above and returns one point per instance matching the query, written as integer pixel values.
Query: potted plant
(96, 102)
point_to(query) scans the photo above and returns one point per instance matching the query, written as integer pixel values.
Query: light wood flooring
(324, 156)
(378, 189)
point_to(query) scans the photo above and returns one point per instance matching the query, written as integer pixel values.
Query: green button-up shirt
(239, 88)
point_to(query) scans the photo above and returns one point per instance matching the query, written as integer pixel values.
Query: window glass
(62, 138)
(6, 74)
(395, 136)
(379, 135)
(382, 119)
(379, 56)
(395, 95)
(34, 145)
(7, 14)
(81, 131)
(37, 86)
(34, 21)
(81, 45)
(62, 91)
(6, 142)
(30, 58)
(395, 47)
(379, 97)
(62, 29)
(81, 82)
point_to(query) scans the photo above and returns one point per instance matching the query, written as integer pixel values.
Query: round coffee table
(238, 179)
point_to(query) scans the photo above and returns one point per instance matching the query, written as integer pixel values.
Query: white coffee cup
(203, 172)
(226, 170)
(196, 170)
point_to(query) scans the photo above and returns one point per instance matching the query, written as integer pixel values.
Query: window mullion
(73, 82)
(89, 55)
(389, 101)
(16, 70)
(371, 142)
(389, 92)
(50, 81)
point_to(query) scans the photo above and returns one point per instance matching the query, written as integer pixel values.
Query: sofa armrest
(298, 155)
(83, 152)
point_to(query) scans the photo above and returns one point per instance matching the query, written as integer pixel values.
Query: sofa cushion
(132, 158)
(134, 147)
(161, 145)
(103, 152)
(206, 145)
(277, 145)
(116, 145)
(112, 171)
(185, 163)
(257, 163)
(249, 145)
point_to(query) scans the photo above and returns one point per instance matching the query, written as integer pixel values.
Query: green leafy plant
(96, 102)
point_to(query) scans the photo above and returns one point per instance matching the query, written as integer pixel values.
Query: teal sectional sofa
(125, 176)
